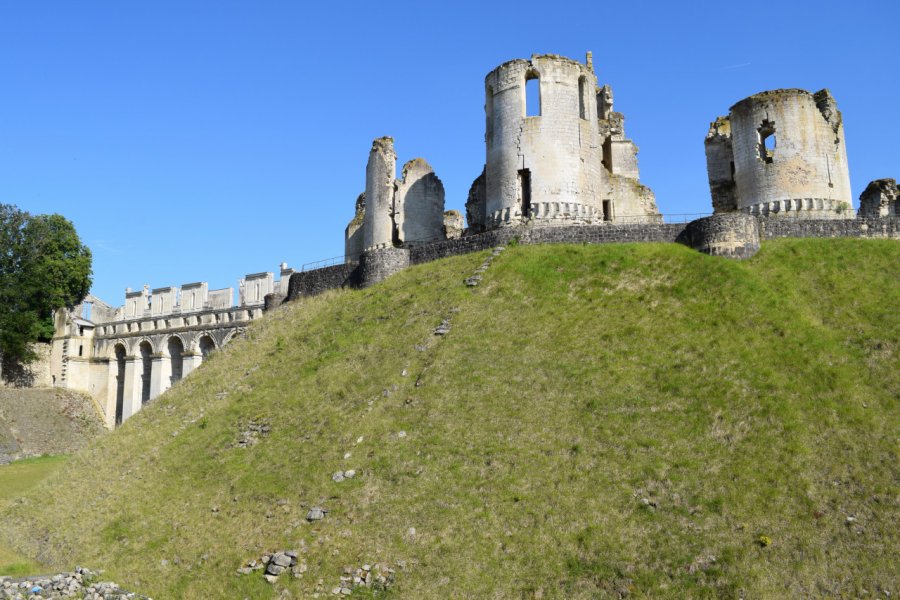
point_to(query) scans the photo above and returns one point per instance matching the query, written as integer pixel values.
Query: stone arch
(206, 345)
(175, 348)
(138, 342)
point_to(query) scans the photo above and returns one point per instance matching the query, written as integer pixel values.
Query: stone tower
(378, 221)
(780, 152)
(553, 163)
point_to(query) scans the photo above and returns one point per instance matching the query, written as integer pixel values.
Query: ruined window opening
(607, 154)
(767, 141)
(81, 331)
(525, 192)
(582, 104)
(607, 210)
(86, 310)
(532, 95)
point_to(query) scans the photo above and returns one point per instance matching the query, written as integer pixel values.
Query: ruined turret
(780, 152)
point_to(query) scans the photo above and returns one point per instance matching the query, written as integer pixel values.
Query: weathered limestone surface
(353, 236)
(733, 235)
(787, 156)
(378, 226)
(880, 199)
(403, 212)
(476, 206)
(419, 204)
(454, 224)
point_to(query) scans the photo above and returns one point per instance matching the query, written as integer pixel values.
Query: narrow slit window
(582, 104)
(532, 96)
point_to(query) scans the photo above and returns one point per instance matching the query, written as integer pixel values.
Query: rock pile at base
(78, 584)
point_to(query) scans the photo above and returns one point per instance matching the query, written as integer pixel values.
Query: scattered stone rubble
(340, 476)
(375, 576)
(475, 279)
(316, 513)
(78, 584)
(275, 565)
(251, 433)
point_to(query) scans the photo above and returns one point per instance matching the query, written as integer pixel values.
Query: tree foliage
(43, 267)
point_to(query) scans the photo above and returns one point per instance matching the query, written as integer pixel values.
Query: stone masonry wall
(310, 283)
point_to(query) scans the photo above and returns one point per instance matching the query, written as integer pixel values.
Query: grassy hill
(600, 421)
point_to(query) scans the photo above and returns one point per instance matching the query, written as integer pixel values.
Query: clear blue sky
(205, 140)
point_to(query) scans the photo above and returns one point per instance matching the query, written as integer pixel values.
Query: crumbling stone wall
(476, 206)
(880, 199)
(418, 204)
(353, 236)
(378, 223)
(787, 156)
(454, 224)
(395, 212)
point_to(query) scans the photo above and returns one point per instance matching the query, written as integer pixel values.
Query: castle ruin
(780, 152)
(564, 161)
(560, 171)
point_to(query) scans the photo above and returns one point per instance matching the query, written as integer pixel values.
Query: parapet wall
(311, 283)
(871, 227)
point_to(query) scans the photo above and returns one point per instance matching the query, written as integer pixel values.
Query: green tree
(43, 267)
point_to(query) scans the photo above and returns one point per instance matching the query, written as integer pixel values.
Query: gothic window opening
(532, 95)
(767, 141)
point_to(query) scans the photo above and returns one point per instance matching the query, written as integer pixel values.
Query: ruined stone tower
(563, 161)
(379, 207)
(395, 212)
(780, 152)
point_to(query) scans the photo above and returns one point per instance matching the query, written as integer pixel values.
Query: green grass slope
(600, 421)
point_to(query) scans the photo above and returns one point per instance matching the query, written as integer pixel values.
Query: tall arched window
(532, 94)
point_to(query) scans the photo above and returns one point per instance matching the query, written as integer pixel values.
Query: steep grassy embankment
(34, 422)
(600, 420)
